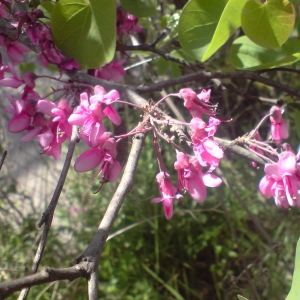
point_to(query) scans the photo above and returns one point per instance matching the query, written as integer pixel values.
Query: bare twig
(46, 275)
(208, 75)
(95, 248)
(3, 159)
(48, 214)
(52, 205)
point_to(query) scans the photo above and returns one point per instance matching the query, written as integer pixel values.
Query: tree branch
(208, 75)
(46, 275)
(48, 214)
(95, 248)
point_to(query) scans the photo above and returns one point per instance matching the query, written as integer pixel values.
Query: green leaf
(46, 8)
(197, 25)
(140, 8)
(297, 122)
(85, 31)
(245, 54)
(261, 24)
(241, 297)
(230, 20)
(294, 293)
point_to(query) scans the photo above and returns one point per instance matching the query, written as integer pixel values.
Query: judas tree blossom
(14, 49)
(207, 151)
(191, 177)
(59, 116)
(126, 23)
(58, 129)
(282, 181)
(20, 120)
(103, 158)
(168, 193)
(14, 81)
(198, 104)
(91, 112)
(279, 128)
(111, 71)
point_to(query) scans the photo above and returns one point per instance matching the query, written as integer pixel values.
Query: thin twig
(52, 205)
(3, 158)
(48, 214)
(46, 275)
(209, 75)
(94, 249)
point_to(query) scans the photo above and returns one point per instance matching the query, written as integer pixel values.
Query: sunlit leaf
(197, 25)
(140, 8)
(85, 30)
(294, 293)
(230, 20)
(245, 54)
(269, 24)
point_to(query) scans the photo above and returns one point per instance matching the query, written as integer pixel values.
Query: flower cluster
(207, 153)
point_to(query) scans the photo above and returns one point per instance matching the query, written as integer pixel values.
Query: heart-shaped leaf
(228, 23)
(85, 30)
(270, 24)
(140, 8)
(197, 25)
(245, 54)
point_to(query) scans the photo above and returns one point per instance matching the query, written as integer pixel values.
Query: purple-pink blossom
(113, 71)
(198, 104)
(279, 128)
(207, 151)
(168, 193)
(91, 112)
(103, 158)
(192, 179)
(126, 23)
(282, 181)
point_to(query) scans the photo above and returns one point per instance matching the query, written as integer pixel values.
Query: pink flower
(20, 120)
(168, 193)
(205, 148)
(111, 71)
(282, 181)
(59, 114)
(91, 112)
(58, 129)
(191, 178)
(102, 158)
(126, 23)
(15, 50)
(279, 128)
(198, 104)
(14, 81)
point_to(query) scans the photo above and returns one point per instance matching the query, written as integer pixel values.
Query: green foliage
(229, 21)
(47, 8)
(140, 8)
(294, 293)
(85, 30)
(261, 24)
(245, 54)
(197, 25)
